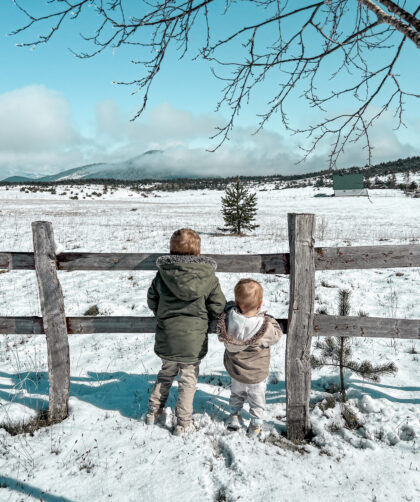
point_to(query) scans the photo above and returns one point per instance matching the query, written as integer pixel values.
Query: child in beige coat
(247, 335)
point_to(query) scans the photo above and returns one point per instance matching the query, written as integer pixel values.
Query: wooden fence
(301, 263)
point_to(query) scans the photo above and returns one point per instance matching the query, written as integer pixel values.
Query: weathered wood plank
(259, 263)
(114, 324)
(324, 325)
(17, 261)
(54, 319)
(21, 326)
(373, 327)
(362, 257)
(342, 258)
(107, 261)
(265, 263)
(300, 324)
(86, 325)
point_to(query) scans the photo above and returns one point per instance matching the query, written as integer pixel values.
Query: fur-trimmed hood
(177, 259)
(239, 332)
(263, 331)
(187, 276)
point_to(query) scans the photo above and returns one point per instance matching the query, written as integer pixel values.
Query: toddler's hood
(242, 328)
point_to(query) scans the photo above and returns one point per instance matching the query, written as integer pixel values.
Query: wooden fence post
(300, 324)
(54, 320)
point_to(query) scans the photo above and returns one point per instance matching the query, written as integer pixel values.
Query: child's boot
(154, 415)
(233, 422)
(183, 428)
(254, 429)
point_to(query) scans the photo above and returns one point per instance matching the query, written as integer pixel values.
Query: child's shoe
(233, 422)
(153, 416)
(254, 430)
(183, 429)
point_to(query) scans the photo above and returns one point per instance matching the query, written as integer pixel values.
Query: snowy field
(104, 451)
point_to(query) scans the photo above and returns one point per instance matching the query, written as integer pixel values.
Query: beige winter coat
(247, 354)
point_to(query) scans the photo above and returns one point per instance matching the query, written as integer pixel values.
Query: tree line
(410, 164)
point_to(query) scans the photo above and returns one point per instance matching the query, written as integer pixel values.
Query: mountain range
(147, 165)
(157, 165)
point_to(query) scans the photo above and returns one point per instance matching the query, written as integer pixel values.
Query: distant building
(346, 185)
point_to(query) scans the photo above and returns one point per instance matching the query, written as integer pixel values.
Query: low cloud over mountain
(38, 137)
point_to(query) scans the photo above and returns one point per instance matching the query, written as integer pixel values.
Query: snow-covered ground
(104, 451)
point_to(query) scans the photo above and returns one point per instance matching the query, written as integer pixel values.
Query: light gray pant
(187, 382)
(254, 393)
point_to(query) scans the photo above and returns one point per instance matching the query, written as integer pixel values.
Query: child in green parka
(185, 296)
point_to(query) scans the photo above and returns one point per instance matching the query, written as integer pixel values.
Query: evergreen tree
(378, 182)
(391, 181)
(406, 179)
(336, 351)
(239, 208)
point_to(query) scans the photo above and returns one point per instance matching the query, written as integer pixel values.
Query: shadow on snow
(26, 489)
(128, 393)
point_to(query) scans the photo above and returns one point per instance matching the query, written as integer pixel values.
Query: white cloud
(37, 136)
(36, 133)
(387, 145)
(185, 138)
(35, 119)
(160, 127)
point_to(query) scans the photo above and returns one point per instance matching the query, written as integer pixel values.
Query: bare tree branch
(321, 52)
(402, 13)
(405, 29)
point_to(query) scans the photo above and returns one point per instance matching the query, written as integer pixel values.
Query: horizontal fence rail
(264, 263)
(324, 325)
(362, 257)
(326, 258)
(371, 327)
(91, 324)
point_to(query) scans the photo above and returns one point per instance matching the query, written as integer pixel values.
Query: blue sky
(58, 111)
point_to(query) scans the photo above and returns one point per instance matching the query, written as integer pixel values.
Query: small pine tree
(239, 208)
(391, 181)
(406, 179)
(336, 351)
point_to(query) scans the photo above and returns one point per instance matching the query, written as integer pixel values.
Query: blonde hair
(185, 241)
(248, 294)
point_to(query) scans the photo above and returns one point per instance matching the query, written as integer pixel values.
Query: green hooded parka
(185, 296)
